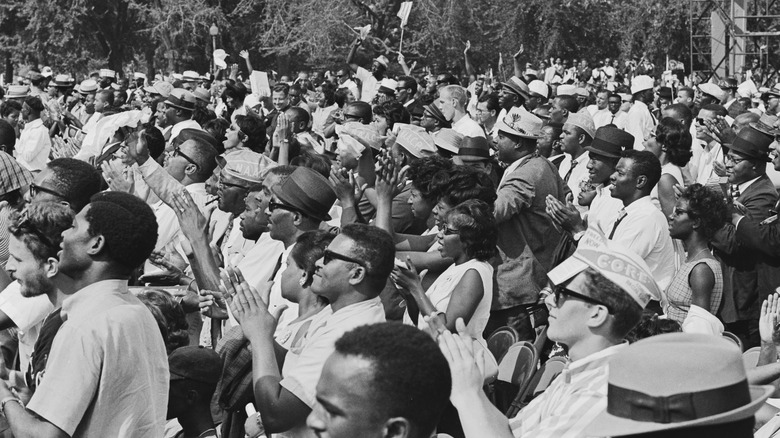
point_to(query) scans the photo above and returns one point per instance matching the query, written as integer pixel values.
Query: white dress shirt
(604, 118)
(370, 84)
(640, 123)
(645, 231)
(578, 174)
(706, 171)
(604, 210)
(468, 128)
(32, 149)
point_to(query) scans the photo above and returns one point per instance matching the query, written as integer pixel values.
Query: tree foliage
(76, 35)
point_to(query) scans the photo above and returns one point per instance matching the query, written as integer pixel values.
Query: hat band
(676, 408)
(474, 152)
(296, 196)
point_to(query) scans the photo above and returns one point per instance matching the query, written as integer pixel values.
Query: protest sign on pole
(403, 14)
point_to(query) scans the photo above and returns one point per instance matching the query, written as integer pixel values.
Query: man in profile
(383, 380)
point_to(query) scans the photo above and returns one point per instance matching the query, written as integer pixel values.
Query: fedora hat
(473, 149)
(448, 139)
(610, 142)
(675, 381)
(202, 95)
(517, 86)
(190, 76)
(163, 88)
(17, 91)
(521, 124)
(307, 191)
(181, 99)
(766, 124)
(63, 81)
(752, 143)
(665, 93)
(388, 86)
(88, 86)
(436, 113)
(713, 90)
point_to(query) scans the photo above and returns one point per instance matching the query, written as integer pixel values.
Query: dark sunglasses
(559, 291)
(222, 183)
(328, 256)
(177, 152)
(35, 189)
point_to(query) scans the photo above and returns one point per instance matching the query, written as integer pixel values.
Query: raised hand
(114, 174)
(248, 307)
(468, 46)
(768, 318)
(190, 218)
(467, 364)
(244, 54)
(519, 52)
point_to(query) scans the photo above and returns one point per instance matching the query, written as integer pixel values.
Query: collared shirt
(572, 401)
(107, 373)
(319, 117)
(468, 127)
(275, 300)
(742, 187)
(578, 174)
(604, 118)
(28, 314)
(706, 171)
(34, 145)
(645, 230)
(603, 209)
(185, 124)
(640, 124)
(303, 365)
(370, 84)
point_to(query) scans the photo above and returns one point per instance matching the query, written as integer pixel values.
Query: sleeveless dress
(440, 293)
(680, 295)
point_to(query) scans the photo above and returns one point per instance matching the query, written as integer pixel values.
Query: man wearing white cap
(370, 79)
(526, 236)
(595, 298)
(538, 94)
(578, 133)
(452, 102)
(641, 122)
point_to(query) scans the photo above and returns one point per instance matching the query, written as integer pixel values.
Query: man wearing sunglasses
(595, 298)
(351, 275)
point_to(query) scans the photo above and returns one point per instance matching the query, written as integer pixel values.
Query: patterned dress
(680, 295)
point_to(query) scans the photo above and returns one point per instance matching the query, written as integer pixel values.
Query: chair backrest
(500, 340)
(732, 337)
(538, 384)
(750, 357)
(518, 364)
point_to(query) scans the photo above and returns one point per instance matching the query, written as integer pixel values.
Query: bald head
(298, 118)
(679, 112)
(744, 120)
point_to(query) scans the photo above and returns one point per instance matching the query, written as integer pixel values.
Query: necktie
(568, 174)
(612, 122)
(621, 215)
(734, 191)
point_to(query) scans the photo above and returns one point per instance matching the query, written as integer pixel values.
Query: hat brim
(737, 147)
(599, 152)
(501, 126)
(766, 129)
(607, 424)
(277, 190)
(181, 107)
(516, 90)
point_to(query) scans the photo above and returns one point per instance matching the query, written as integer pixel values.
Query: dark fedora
(517, 86)
(473, 149)
(181, 99)
(665, 93)
(610, 142)
(438, 115)
(308, 192)
(752, 143)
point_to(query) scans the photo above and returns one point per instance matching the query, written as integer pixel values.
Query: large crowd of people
(345, 252)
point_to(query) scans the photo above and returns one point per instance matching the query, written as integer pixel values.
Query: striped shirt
(571, 402)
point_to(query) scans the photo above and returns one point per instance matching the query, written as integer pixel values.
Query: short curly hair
(476, 227)
(410, 377)
(421, 173)
(708, 206)
(393, 111)
(170, 317)
(253, 129)
(127, 224)
(677, 140)
(76, 179)
(40, 227)
(464, 183)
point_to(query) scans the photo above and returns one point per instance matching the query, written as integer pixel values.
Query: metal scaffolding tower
(727, 34)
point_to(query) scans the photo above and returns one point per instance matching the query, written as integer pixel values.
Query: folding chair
(500, 340)
(538, 384)
(514, 372)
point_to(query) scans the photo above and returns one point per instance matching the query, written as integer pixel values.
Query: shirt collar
(639, 204)
(35, 123)
(595, 360)
(72, 304)
(742, 187)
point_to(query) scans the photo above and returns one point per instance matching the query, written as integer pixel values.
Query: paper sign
(259, 82)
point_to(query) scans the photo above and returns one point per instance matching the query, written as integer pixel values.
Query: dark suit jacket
(749, 276)
(526, 235)
(761, 237)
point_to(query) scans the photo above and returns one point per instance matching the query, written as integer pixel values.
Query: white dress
(440, 293)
